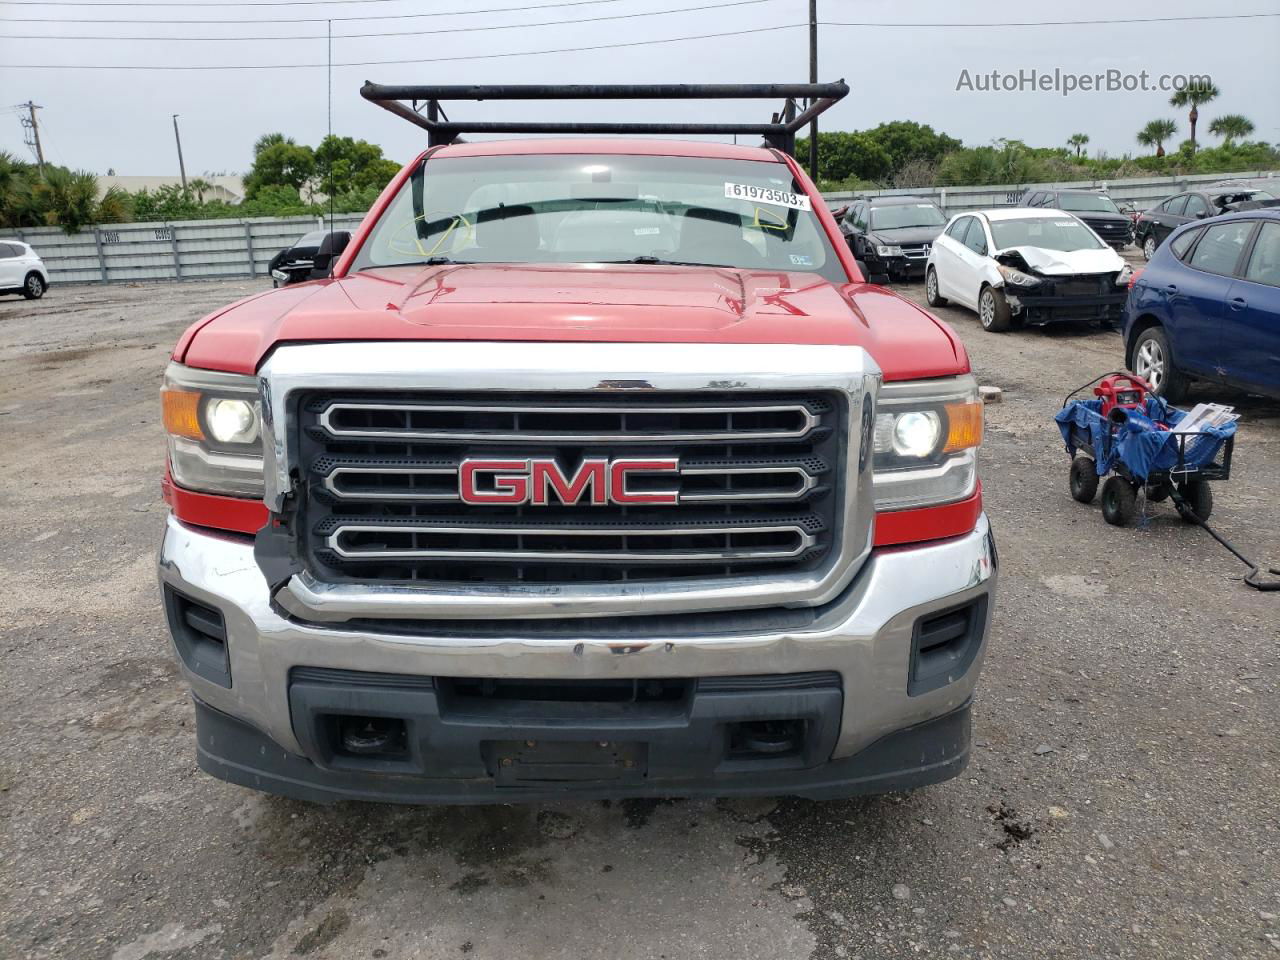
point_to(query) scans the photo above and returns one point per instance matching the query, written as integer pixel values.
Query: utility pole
(34, 126)
(813, 78)
(181, 167)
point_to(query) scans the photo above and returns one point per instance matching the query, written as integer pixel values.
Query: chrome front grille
(500, 423)
(758, 477)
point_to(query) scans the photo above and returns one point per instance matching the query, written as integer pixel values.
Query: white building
(229, 189)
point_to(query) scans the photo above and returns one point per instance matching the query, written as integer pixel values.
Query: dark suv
(890, 236)
(1092, 206)
(1210, 201)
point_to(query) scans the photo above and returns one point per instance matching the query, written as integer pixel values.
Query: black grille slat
(760, 478)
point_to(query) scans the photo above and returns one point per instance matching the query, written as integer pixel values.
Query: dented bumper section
(871, 693)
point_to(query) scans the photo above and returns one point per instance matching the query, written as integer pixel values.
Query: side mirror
(1201, 214)
(331, 248)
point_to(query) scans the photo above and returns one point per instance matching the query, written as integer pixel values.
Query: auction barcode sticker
(780, 198)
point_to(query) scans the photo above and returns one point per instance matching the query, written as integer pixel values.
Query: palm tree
(1194, 94)
(1155, 133)
(1078, 140)
(270, 140)
(1230, 127)
(115, 206)
(68, 199)
(198, 186)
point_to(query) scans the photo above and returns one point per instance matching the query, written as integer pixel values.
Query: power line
(603, 46)
(866, 24)
(185, 3)
(1058, 23)
(376, 16)
(380, 63)
(419, 33)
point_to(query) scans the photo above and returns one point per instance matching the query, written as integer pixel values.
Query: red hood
(591, 302)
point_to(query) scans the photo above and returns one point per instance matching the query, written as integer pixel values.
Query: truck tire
(931, 295)
(1083, 479)
(1153, 362)
(33, 286)
(1198, 497)
(1119, 502)
(993, 311)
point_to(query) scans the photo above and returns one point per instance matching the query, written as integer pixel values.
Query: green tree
(907, 141)
(1155, 133)
(199, 186)
(280, 163)
(344, 164)
(68, 199)
(1078, 141)
(1193, 95)
(114, 206)
(270, 140)
(15, 190)
(1231, 127)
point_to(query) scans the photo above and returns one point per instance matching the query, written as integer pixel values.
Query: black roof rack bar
(780, 132)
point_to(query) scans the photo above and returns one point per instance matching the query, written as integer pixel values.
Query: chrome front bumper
(865, 636)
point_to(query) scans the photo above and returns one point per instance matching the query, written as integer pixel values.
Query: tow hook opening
(765, 738)
(383, 738)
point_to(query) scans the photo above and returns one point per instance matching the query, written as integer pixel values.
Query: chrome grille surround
(612, 372)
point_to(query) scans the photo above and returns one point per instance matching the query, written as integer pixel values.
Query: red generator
(1122, 390)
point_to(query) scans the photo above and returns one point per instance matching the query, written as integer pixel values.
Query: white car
(1018, 265)
(21, 270)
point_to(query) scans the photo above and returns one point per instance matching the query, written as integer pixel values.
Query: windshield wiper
(659, 261)
(428, 262)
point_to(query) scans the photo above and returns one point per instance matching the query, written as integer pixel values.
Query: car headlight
(925, 443)
(1125, 276)
(214, 423)
(1017, 277)
(886, 251)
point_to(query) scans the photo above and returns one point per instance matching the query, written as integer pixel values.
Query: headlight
(1017, 277)
(915, 433)
(214, 423)
(883, 251)
(1125, 276)
(926, 440)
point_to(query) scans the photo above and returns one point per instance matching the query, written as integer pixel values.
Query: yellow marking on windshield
(775, 221)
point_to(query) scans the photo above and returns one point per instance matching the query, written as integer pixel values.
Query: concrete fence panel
(208, 249)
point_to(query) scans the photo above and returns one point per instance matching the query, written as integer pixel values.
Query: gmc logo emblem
(597, 482)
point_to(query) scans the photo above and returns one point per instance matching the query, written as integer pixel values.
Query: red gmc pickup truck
(587, 465)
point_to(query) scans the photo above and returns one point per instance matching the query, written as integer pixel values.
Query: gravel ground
(1122, 800)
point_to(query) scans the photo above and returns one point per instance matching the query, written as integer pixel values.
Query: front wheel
(1119, 501)
(993, 311)
(1153, 362)
(33, 287)
(1149, 247)
(1083, 479)
(931, 295)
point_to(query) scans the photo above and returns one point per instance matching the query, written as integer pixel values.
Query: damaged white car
(1020, 266)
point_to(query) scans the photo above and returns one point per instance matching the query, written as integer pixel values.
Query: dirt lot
(1122, 801)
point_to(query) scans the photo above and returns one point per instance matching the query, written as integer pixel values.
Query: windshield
(1242, 196)
(902, 215)
(1087, 203)
(311, 239)
(1049, 233)
(578, 208)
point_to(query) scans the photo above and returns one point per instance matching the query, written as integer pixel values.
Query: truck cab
(593, 466)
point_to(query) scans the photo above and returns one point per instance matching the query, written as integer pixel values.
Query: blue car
(1207, 307)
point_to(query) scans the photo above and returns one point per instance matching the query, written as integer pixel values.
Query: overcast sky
(117, 118)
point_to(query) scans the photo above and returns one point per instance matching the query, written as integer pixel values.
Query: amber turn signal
(182, 413)
(964, 428)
